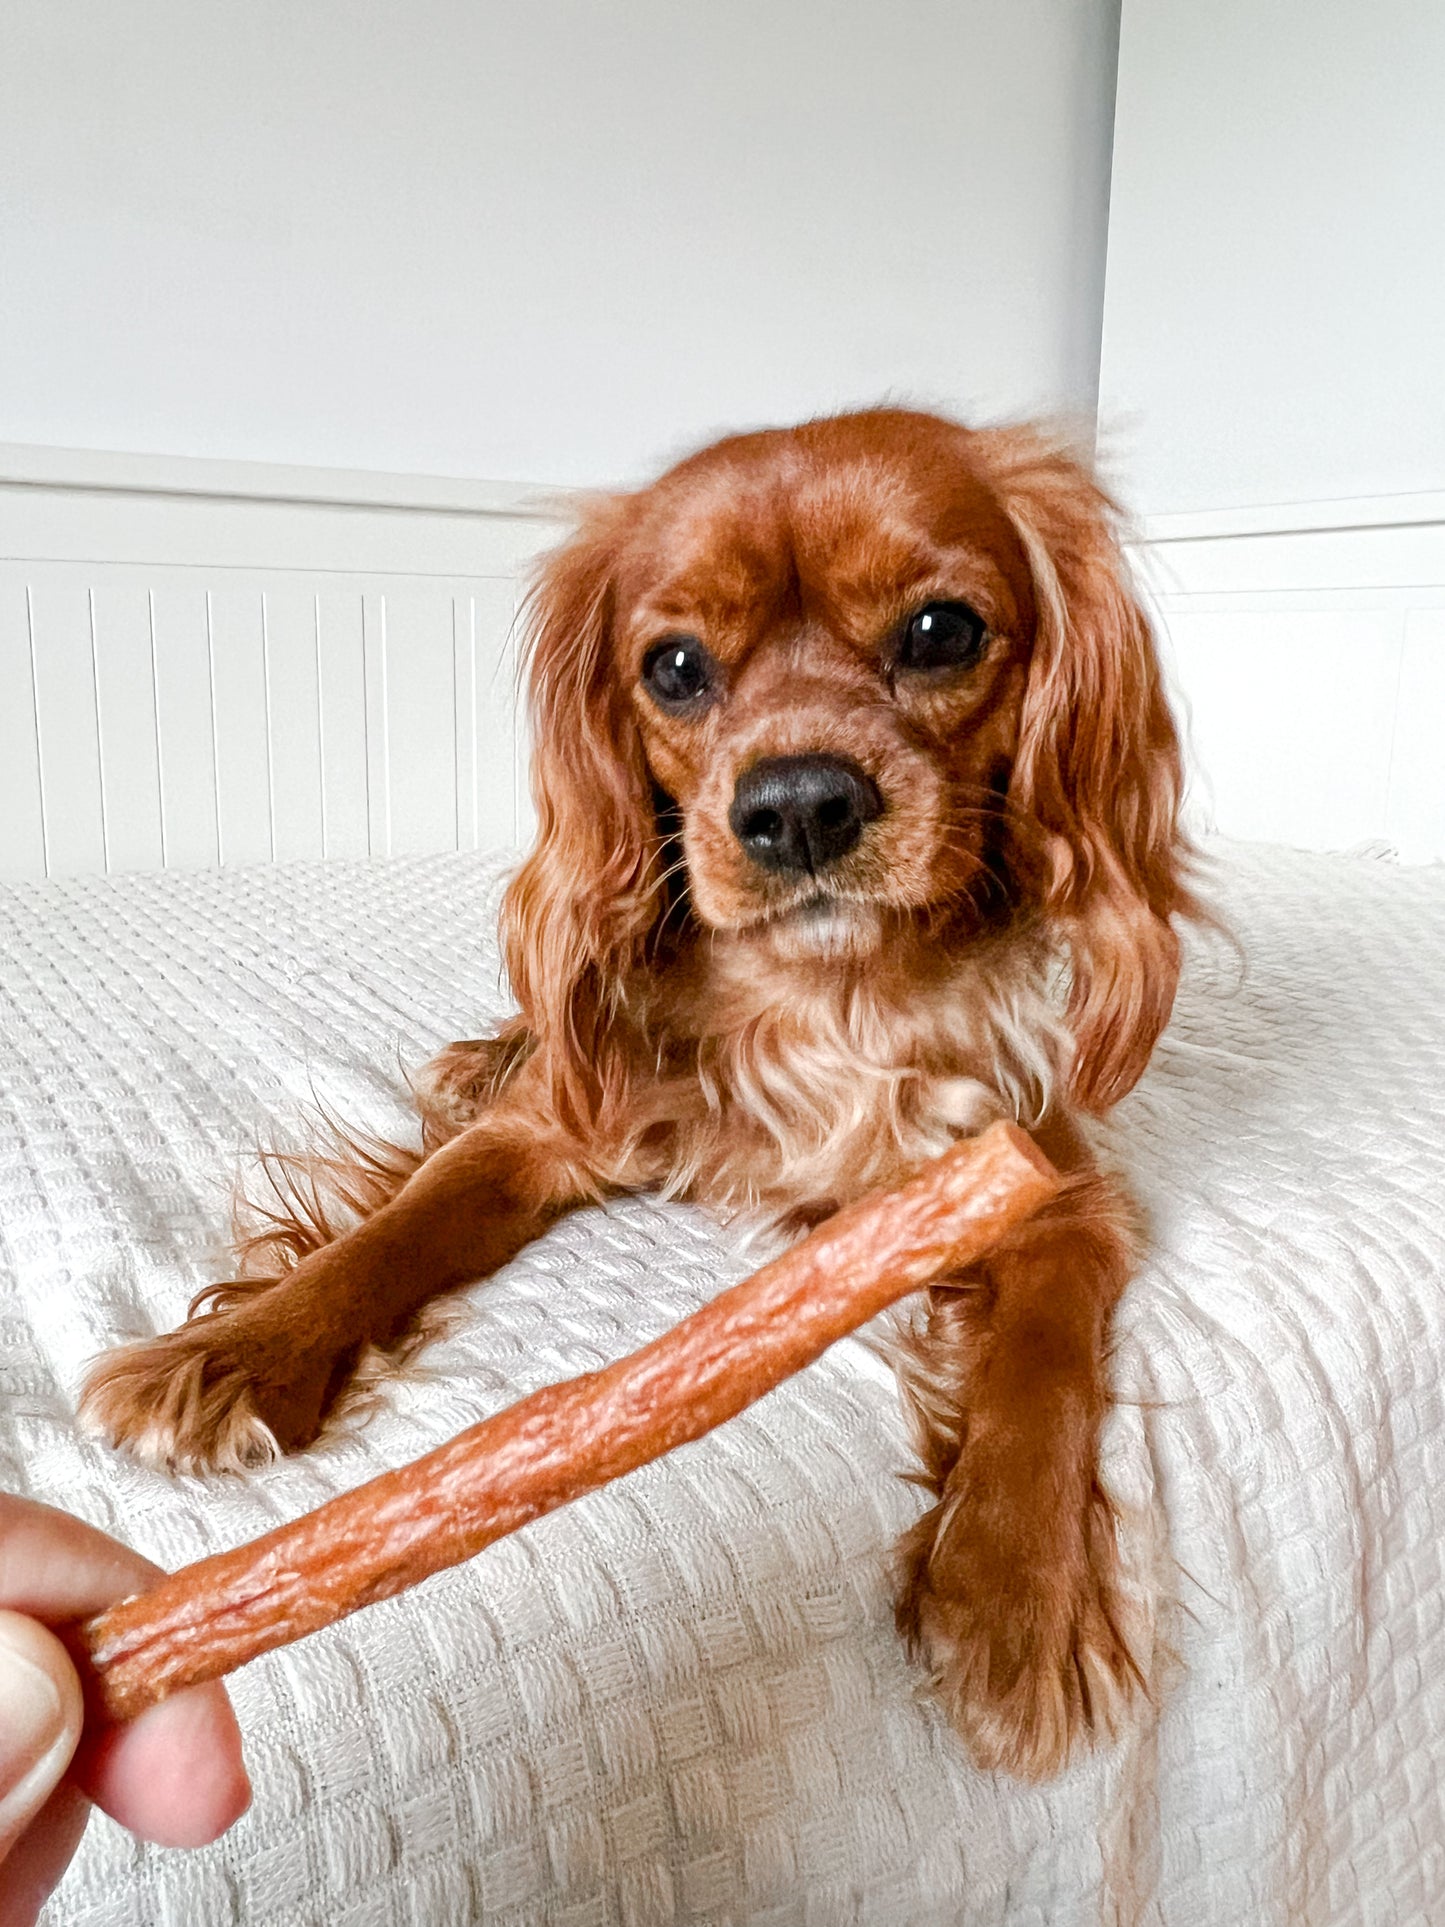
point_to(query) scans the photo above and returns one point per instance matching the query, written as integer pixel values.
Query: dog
(858, 802)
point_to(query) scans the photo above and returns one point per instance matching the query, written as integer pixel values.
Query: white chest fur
(841, 1086)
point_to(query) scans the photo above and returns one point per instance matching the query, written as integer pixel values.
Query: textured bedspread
(681, 1700)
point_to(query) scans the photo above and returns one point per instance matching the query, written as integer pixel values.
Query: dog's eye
(943, 635)
(677, 671)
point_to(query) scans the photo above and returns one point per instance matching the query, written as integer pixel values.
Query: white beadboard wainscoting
(1306, 652)
(207, 662)
(216, 663)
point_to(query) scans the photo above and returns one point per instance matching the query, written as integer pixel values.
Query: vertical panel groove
(156, 725)
(215, 733)
(455, 725)
(385, 731)
(456, 759)
(99, 744)
(186, 732)
(35, 718)
(517, 712)
(320, 722)
(366, 721)
(472, 718)
(270, 753)
(1385, 807)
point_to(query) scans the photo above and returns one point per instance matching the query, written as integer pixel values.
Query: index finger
(175, 1775)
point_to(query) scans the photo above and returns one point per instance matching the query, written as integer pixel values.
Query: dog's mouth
(822, 925)
(816, 901)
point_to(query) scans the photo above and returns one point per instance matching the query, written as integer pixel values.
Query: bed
(681, 1700)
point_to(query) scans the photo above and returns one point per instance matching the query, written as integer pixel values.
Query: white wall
(554, 242)
(549, 240)
(1274, 325)
(1272, 401)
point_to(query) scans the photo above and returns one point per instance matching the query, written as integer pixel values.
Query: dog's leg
(236, 1385)
(462, 1081)
(1009, 1583)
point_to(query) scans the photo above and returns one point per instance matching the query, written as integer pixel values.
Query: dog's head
(821, 680)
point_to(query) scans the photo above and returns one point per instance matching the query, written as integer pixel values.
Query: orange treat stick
(567, 1439)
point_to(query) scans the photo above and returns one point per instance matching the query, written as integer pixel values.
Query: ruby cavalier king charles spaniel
(858, 829)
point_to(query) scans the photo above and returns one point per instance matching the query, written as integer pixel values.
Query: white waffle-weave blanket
(681, 1700)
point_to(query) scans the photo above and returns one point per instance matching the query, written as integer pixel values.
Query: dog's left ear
(576, 916)
(1098, 769)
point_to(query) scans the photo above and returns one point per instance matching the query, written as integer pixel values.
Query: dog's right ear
(576, 917)
(1098, 770)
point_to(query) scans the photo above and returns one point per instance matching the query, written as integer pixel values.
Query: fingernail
(35, 1737)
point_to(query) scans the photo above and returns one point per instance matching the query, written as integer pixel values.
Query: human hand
(174, 1775)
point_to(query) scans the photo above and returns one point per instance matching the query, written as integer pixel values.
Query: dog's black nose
(794, 814)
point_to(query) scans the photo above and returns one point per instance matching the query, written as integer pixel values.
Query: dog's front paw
(1026, 1633)
(223, 1392)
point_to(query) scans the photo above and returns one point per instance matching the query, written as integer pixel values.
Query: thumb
(40, 1718)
